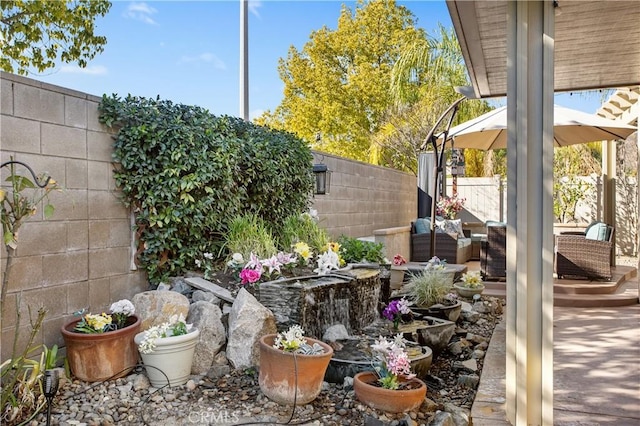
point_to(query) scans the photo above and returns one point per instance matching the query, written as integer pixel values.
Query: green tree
(422, 86)
(337, 87)
(34, 34)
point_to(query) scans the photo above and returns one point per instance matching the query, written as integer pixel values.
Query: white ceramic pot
(396, 279)
(171, 359)
(467, 291)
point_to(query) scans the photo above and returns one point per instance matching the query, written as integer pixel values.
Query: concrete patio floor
(596, 369)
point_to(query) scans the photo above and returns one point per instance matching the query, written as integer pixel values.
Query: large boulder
(248, 322)
(156, 307)
(207, 318)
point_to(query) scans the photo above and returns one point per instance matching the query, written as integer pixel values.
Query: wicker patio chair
(493, 253)
(578, 256)
(447, 247)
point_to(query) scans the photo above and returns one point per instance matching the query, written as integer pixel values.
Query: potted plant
(449, 207)
(353, 250)
(101, 346)
(431, 291)
(398, 311)
(292, 366)
(167, 351)
(391, 387)
(470, 284)
(397, 274)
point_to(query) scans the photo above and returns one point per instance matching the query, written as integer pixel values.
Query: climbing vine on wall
(186, 173)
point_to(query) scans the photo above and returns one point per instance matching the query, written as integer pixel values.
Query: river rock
(156, 307)
(207, 296)
(207, 318)
(248, 322)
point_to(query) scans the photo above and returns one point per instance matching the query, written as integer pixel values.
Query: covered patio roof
(623, 105)
(597, 44)
(536, 48)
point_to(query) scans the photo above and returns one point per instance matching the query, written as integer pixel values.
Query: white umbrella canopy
(489, 131)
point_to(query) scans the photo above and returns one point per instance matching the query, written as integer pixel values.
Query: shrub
(185, 172)
(353, 250)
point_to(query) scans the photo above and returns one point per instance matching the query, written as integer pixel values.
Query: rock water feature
(353, 355)
(318, 302)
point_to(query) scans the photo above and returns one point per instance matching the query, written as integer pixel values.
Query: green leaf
(48, 211)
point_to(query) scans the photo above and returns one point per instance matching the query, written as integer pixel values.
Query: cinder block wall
(81, 257)
(363, 198)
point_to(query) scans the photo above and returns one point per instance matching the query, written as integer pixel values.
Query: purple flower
(391, 310)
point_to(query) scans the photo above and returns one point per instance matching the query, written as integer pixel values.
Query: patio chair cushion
(597, 231)
(451, 226)
(464, 242)
(422, 226)
(494, 223)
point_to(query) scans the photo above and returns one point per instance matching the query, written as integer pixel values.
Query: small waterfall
(318, 302)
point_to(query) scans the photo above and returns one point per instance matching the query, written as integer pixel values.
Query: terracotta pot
(100, 356)
(389, 400)
(171, 359)
(467, 291)
(278, 379)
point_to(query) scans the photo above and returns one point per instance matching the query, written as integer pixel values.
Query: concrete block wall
(80, 257)
(363, 198)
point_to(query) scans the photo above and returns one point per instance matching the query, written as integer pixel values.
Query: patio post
(530, 84)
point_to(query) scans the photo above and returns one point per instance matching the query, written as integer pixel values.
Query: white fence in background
(486, 200)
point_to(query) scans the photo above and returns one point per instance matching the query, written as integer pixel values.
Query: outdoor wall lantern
(323, 178)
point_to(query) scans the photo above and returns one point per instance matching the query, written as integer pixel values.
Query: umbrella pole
(433, 140)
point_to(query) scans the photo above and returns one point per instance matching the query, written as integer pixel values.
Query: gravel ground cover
(234, 398)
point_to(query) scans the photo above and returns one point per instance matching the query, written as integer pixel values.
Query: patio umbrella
(489, 131)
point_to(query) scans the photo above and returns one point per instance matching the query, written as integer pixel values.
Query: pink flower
(399, 260)
(249, 276)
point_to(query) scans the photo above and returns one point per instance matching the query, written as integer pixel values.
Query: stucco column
(609, 189)
(530, 68)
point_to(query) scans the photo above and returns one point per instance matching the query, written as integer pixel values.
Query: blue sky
(188, 51)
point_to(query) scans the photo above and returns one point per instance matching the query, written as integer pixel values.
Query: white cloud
(141, 12)
(206, 57)
(89, 70)
(253, 7)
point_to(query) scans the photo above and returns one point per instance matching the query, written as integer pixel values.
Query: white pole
(244, 60)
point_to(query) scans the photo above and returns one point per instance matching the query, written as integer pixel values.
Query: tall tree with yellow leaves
(337, 88)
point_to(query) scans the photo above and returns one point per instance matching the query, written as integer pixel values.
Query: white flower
(435, 264)
(290, 340)
(237, 260)
(273, 264)
(208, 256)
(286, 258)
(472, 279)
(123, 306)
(176, 326)
(326, 262)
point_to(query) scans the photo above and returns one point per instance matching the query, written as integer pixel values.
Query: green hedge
(186, 173)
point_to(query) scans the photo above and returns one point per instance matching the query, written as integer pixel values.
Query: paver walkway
(596, 369)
